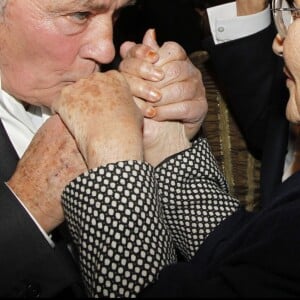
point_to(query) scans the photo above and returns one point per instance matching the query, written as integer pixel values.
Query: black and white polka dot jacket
(128, 218)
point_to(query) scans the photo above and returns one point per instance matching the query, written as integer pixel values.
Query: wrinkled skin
(289, 49)
(50, 45)
(180, 91)
(107, 127)
(50, 162)
(177, 95)
(46, 46)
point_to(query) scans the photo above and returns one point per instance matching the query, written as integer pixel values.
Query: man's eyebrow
(94, 4)
(73, 4)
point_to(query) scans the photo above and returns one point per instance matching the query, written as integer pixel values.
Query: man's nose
(98, 43)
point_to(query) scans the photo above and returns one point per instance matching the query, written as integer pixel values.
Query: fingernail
(155, 95)
(152, 54)
(158, 75)
(151, 112)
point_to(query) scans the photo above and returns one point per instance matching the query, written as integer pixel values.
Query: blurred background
(183, 21)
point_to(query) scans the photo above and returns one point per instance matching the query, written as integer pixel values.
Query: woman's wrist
(172, 140)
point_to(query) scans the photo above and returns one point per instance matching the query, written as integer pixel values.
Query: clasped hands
(148, 110)
(104, 119)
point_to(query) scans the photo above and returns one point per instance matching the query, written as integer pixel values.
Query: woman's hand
(169, 90)
(165, 79)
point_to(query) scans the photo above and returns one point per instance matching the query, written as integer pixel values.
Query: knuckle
(194, 111)
(186, 109)
(146, 69)
(126, 65)
(180, 91)
(172, 72)
(122, 65)
(141, 51)
(175, 49)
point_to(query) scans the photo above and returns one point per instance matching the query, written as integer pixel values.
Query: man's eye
(81, 16)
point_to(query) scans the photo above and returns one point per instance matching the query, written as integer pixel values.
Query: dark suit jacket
(252, 79)
(250, 254)
(29, 267)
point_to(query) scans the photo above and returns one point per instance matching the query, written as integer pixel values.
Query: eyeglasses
(284, 14)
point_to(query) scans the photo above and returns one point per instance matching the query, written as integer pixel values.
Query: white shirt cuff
(47, 237)
(226, 26)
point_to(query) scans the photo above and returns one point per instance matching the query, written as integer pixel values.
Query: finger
(170, 51)
(125, 47)
(141, 68)
(147, 110)
(143, 89)
(190, 111)
(177, 92)
(139, 51)
(177, 71)
(150, 39)
(147, 50)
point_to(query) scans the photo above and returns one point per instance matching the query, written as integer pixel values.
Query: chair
(241, 169)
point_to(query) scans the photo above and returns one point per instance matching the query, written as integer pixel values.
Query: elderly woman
(127, 245)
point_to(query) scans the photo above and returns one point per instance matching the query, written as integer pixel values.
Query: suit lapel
(276, 142)
(8, 155)
(273, 162)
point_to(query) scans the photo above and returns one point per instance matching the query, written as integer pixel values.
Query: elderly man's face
(48, 44)
(290, 47)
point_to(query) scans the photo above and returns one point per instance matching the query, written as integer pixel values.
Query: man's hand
(101, 115)
(165, 79)
(248, 7)
(51, 161)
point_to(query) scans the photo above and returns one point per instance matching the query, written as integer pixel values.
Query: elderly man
(53, 45)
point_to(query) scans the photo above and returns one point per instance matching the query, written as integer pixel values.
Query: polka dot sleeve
(115, 220)
(126, 218)
(194, 196)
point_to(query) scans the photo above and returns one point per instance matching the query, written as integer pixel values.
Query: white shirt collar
(20, 124)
